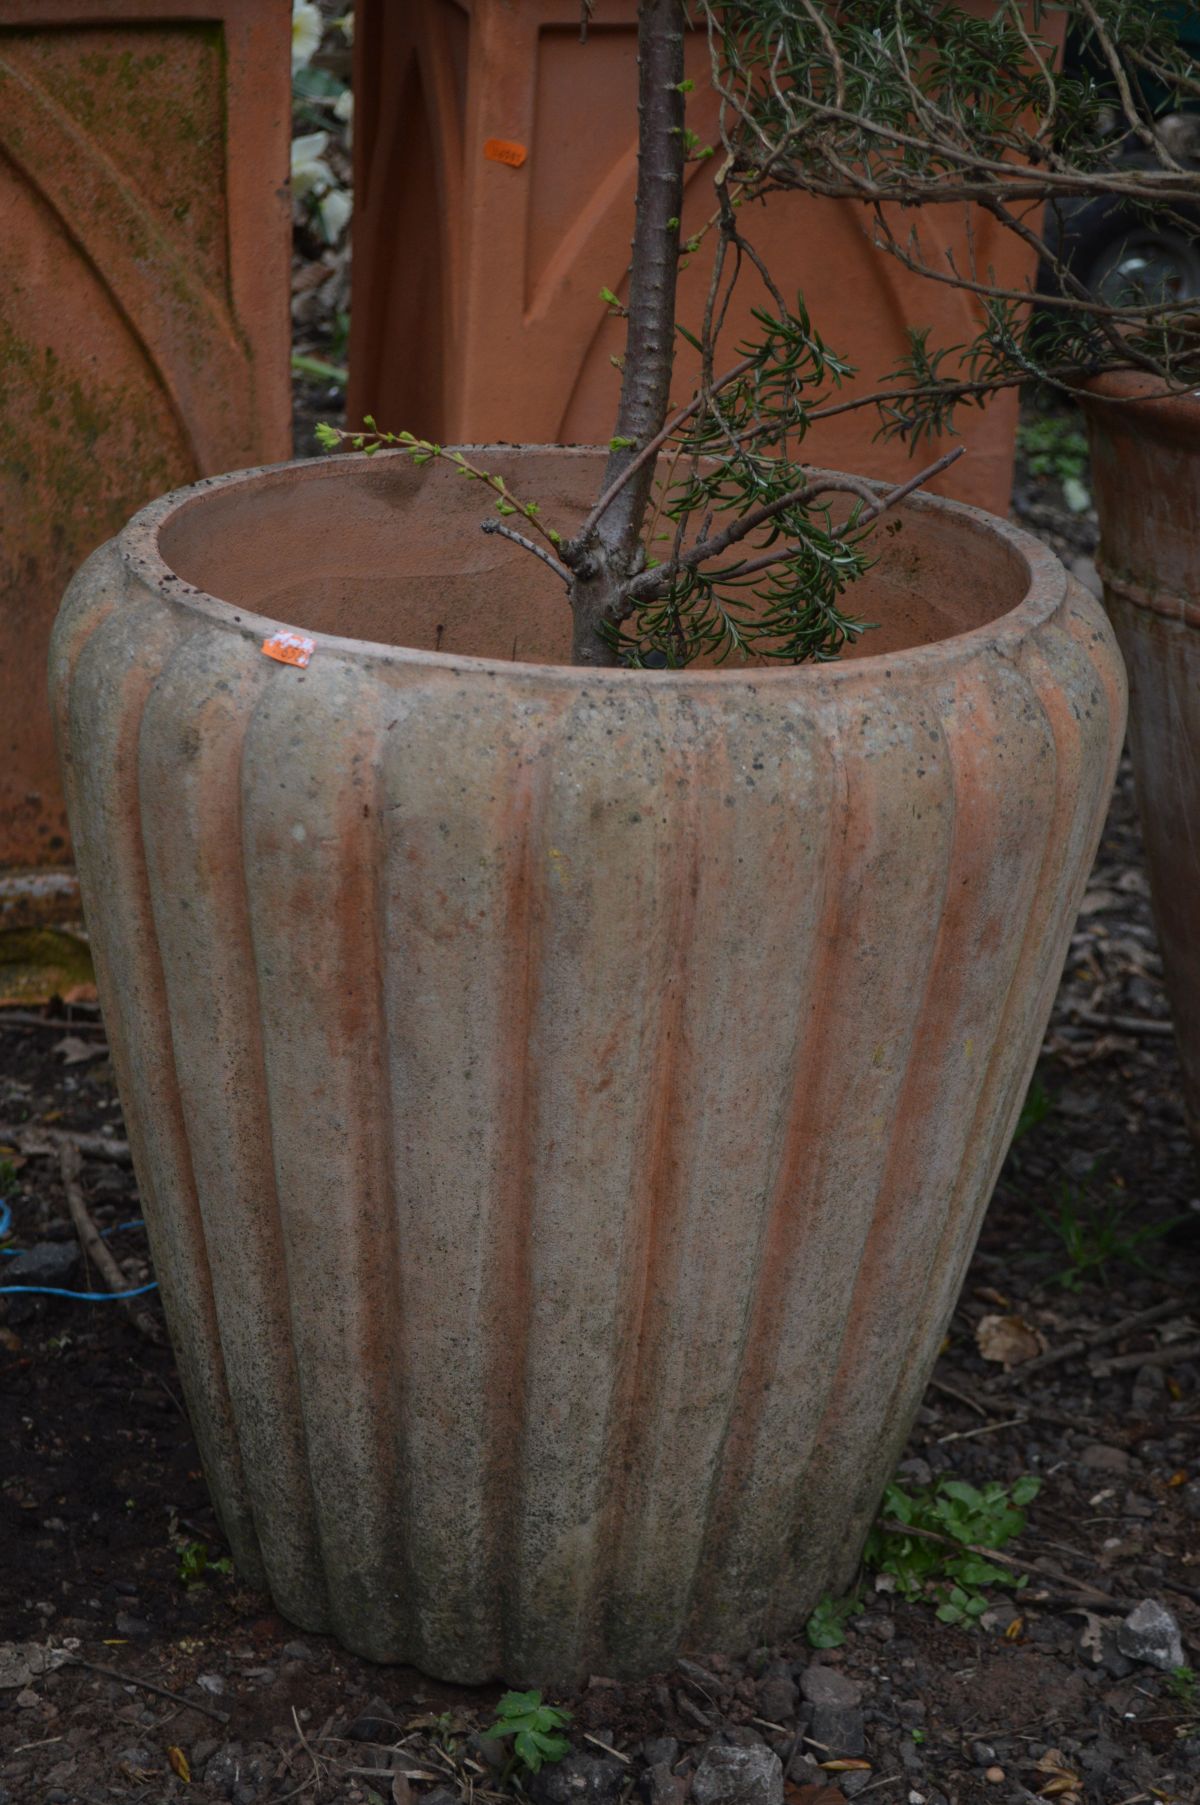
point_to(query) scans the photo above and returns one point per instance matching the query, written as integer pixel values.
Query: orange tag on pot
(290, 648)
(503, 150)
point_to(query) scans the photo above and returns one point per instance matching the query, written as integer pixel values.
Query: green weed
(533, 1727)
(1095, 1229)
(826, 1628)
(194, 1563)
(1184, 1686)
(957, 1513)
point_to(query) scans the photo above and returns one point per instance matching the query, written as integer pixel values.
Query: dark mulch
(100, 1490)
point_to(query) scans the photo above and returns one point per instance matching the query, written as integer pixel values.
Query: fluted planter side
(564, 1102)
(1145, 455)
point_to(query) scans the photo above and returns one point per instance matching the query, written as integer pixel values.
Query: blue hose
(78, 1297)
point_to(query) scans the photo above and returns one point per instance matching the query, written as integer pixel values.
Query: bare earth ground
(104, 1514)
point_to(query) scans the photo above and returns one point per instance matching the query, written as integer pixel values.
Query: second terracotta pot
(1146, 475)
(564, 1102)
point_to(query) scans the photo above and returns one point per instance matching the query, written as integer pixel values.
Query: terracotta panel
(477, 312)
(608, 1070)
(144, 329)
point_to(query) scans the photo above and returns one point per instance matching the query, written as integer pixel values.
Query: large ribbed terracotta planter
(1146, 476)
(564, 1102)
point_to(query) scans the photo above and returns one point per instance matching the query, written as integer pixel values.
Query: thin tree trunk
(603, 567)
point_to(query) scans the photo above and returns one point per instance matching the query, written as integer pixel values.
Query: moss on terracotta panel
(86, 435)
(72, 453)
(153, 97)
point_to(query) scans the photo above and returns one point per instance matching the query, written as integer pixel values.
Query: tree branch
(600, 568)
(653, 583)
(1133, 118)
(906, 488)
(506, 532)
(650, 340)
(655, 445)
(1011, 181)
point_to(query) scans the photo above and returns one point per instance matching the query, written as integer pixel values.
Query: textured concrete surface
(564, 1102)
(1146, 477)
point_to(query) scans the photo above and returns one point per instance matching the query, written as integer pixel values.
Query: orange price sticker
(503, 150)
(290, 648)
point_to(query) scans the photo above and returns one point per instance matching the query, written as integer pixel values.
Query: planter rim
(1129, 413)
(1140, 396)
(138, 548)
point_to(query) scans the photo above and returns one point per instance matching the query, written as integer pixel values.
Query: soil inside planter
(382, 551)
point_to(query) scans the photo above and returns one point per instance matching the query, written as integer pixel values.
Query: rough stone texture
(144, 331)
(495, 270)
(380, 1722)
(49, 1263)
(563, 1102)
(661, 1787)
(1151, 1634)
(1146, 479)
(578, 1780)
(738, 1776)
(838, 1730)
(826, 1686)
(777, 1694)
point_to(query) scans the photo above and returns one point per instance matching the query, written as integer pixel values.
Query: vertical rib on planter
(880, 938)
(191, 751)
(722, 1099)
(1146, 476)
(110, 647)
(1057, 713)
(581, 1088)
(312, 848)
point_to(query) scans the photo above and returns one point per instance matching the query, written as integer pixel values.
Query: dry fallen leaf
(812, 1795)
(401, 1790)
(1008, 1340)
(1014, 1629)
(846, 1766)
(1060, 1780)
(179, 1762)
